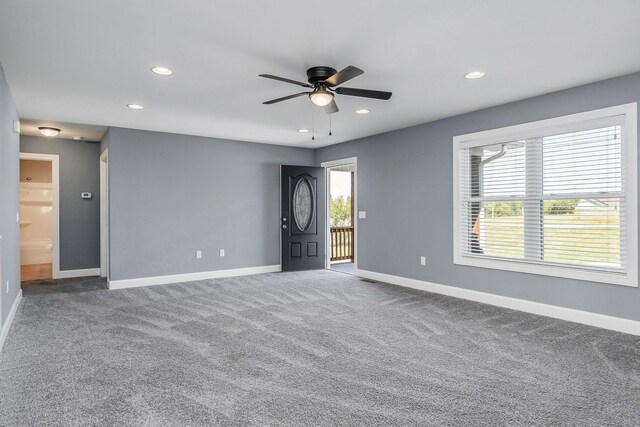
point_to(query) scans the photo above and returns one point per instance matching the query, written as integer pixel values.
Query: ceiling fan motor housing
(317, 75)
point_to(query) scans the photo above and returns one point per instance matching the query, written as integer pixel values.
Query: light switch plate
(198, 254)
(221, 252)
(16, 126)
(362, 214)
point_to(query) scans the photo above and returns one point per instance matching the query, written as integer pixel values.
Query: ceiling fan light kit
(321, 97)
(323, 81)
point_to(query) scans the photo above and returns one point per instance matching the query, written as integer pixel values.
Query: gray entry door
(302, 217)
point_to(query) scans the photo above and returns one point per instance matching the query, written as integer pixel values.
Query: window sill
(621, 279)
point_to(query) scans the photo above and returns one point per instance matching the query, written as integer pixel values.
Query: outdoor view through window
(554, 199)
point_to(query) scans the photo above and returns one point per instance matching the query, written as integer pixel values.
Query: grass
(565, 238)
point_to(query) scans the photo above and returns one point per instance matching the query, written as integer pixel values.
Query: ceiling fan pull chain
(313, 124)
(330, 125)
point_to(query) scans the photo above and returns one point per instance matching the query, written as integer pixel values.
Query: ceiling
(67, 130)
(83, 61)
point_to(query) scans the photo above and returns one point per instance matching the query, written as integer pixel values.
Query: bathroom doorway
(38, 216)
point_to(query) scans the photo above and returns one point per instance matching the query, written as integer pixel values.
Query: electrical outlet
(198, 254)
(423, 260)
(221, 252)
(362, 214)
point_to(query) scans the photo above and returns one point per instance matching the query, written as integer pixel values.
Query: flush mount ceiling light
(49, 131)
(163, 71)
(363, 111)
(78, 138)
(474, 75)
(135, 106)
(303, 130)
(321, 97)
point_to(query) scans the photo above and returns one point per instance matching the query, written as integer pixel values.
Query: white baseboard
(190, 277)
(7, 324)
(587, 318)
(66, 274)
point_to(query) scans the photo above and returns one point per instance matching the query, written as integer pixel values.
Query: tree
(340, 211)
(560, 207)
(502, 209)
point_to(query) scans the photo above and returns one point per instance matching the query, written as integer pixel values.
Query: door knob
(284, 226)
(284, 219)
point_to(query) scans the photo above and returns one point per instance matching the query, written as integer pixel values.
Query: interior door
(302, 217)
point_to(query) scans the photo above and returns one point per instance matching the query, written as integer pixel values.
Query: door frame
(104, 214)
(55, 190)
(328, 165)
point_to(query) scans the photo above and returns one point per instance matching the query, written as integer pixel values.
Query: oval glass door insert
(303, 204)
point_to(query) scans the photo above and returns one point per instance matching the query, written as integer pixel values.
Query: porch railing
(341, 243)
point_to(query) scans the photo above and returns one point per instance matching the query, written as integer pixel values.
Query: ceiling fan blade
(344, 75)
(365, 93)
(332, 107)
(282, 79)
(284, 98)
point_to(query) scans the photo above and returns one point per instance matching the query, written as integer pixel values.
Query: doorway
(39, 229)
(341, 215)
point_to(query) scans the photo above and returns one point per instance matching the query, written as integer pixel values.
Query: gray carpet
(51, 286)
(311, 348)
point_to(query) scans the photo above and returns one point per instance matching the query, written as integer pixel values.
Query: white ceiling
(83, 61)
(67, 130)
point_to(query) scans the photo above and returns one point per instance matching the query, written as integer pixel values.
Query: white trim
(189, 277)
(6, 326)
(55, 187)
(66, 274)
(522, 131)
(339, 162)
(104, 214)
(328, 165)
(534, 129)
(619, 324)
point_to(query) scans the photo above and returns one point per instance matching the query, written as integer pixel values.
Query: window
(555, 197)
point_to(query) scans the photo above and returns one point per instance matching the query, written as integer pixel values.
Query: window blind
(555, 198)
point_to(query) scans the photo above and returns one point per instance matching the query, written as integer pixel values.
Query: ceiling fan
(323, 80)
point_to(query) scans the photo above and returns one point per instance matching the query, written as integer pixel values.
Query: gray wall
(9, 204)
(405, 185)
(79, 218)
(171, 195)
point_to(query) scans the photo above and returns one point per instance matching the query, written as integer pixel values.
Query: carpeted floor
(74, 285)
(310, 348)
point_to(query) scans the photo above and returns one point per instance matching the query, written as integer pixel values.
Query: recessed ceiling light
(303, 130)
(135, 106)
(78, 138)
(363, 111)
(474, 75)
(49, 131)
(163, 71)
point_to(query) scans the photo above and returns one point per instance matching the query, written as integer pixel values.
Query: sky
(340, 184)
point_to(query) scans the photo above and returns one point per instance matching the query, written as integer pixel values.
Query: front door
(302, 218)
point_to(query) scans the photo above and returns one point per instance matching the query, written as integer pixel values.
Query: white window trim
(559, 124)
